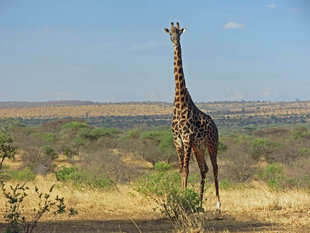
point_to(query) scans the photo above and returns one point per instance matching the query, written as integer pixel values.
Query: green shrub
(162, 166)
(275, 177)
(88, 135)
(49, 151)
(162, 137)
(158, 183)
(26, 174)
(48, 137)
(131, 134)
(7, 150)
(264, 147)
(75, 125)
(305, 151)
(181, 203)
(68, 152)
(299, 133)
(272, 171)
(82, 178)
(65, 173)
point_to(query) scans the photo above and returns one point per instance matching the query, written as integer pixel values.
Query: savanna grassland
(122, 179)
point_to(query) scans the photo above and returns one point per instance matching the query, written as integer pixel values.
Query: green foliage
(299, 133)
(88, 135)
(26, 174)
(7, 150)
(305, 151)
(181, 203)
(131, 134)
(272, 171)
(222, 148)
(49, 151)
(263, 147)
(240, 139)
(47, 137)
(75, 125)
(9, 123)
(17, 222)
(275, 177)
(228, 184)
(162, 166)
(162, 137)
(68, 152)
(158, 183)
(82, 178)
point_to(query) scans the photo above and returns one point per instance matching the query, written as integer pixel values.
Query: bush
(75, 125)
(162, 166)
(262, 147)
(68, 152)
(7, 150)
(82, 178)
(179, 206)
(299, 133)
(275, 177)
(158, 183)
(14, 216)
(26, 174)
(180, 203)
(49, 151)
(162, 138)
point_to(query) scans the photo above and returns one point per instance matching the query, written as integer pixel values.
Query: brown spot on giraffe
(192, 129)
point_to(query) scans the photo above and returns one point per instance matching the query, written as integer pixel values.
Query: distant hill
(134, 114)
(24, 104)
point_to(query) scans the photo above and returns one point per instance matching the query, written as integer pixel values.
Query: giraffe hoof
(218, 206)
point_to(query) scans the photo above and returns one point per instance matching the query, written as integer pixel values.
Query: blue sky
(114, 51)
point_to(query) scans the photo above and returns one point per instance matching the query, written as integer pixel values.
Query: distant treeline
(130, 122)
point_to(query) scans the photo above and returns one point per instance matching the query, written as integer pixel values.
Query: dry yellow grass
(255, 206)
(290, 208)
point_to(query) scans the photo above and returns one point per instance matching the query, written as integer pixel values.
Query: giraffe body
(192, 129)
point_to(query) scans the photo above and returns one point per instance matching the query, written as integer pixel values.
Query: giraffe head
(175, 33)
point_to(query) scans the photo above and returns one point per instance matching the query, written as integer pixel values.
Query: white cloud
(271, 5)
(233, 25)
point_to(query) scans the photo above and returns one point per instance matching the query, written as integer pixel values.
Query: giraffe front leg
(180, 152)
(185, 169)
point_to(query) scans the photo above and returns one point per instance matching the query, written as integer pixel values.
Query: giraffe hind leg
(199, 152)
(212, 149)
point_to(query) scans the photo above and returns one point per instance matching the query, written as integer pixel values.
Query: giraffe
(192, 129)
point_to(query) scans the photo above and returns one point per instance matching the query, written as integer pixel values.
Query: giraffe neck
(181, 95)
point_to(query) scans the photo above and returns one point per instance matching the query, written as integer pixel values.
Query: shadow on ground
(162, 225)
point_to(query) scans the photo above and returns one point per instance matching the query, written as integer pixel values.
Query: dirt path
(161, 225)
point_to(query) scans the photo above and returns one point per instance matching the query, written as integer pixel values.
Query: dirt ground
(212, 223)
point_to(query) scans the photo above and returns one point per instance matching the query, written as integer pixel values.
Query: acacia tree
(7, 150)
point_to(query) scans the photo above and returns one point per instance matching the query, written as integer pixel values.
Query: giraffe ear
(182, 30)
(167, 30)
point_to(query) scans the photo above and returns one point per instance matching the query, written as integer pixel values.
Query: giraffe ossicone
(192, 129)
